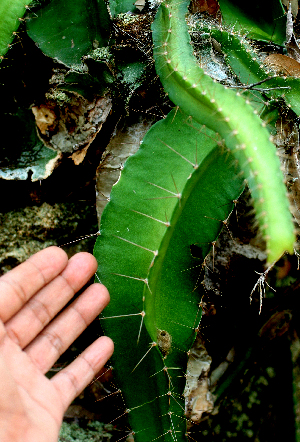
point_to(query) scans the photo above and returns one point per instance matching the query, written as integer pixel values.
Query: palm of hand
(32, 406)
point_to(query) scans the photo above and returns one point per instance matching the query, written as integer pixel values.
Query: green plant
(155, 215)
(11, 13)
(176, 193)
(226, 112)
(80, 27)
(172, 197)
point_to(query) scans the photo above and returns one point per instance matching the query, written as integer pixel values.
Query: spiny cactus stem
(226, 112)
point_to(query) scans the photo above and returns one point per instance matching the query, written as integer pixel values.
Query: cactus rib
(227, 113)
(11, 11)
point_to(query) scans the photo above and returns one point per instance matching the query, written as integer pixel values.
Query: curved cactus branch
(227, 113)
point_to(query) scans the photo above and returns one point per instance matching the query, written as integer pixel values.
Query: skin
(31, 295)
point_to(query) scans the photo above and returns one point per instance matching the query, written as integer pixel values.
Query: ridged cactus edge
(228, 113)
(172, 194)
(11, 13)
(175, 193)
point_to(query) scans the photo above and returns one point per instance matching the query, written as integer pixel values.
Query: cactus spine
(227, 113)
(173, 193)
(11, 12)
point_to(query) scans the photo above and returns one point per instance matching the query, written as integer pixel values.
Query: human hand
(31, 295)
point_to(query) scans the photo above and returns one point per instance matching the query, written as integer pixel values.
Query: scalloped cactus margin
(172, 194)
(227, 113)
(247, 66)
(11, 12)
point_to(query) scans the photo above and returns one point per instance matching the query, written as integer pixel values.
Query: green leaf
(259, 20)
(173, 194)
(69, 29)
(121, 7)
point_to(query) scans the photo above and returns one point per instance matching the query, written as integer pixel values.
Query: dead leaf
(293, 4)
(79, 155)
(289, 24)
(282, 64)
(209, 6)
(73, 124)
(293, 49)
(291, 44)
(44, 118)
(198, 398)
(124, 143)
(276, 326)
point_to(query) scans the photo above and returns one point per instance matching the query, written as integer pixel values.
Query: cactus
(248, 68)
(11, 12)
(227, 113)
(174, 193)
(172, 199)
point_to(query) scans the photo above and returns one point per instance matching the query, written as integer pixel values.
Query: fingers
(44, 306)
(59, 334)
(21, 283)
(73, 379)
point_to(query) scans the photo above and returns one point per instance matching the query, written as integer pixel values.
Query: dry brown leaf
(198, 398)
(79, 155)
(209, 6)
(44, 118)
(293, 4)
(282, 64)
(124, 143)
(72, 125)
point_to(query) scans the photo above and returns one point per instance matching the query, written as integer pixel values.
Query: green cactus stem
(227, 113)
(248, 68)
(175, 192)
(11, 13)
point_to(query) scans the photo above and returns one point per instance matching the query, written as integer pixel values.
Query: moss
(26, 231)
(94, 432)
(128, 18)
(58, 96)
(99, 54)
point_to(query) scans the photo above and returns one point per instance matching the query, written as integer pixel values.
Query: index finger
(21, 283)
